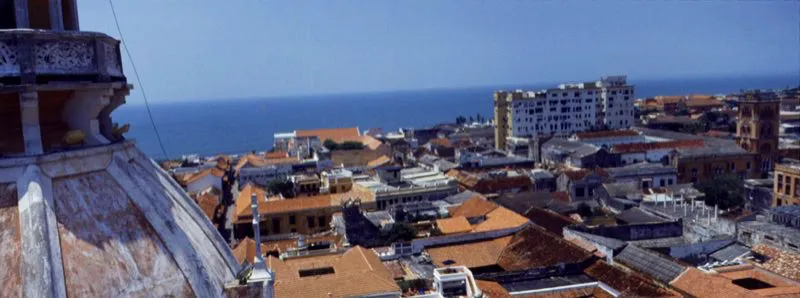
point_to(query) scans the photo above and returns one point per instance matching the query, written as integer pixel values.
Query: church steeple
(56, 15)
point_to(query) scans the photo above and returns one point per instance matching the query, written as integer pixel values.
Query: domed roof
(104, 221)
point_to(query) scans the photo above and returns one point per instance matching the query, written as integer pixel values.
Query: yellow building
(305, 215)
(787, 185)
(336, 181)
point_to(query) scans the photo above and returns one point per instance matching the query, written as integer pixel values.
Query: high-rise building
(757, 126)
(562, 111)
(83, 212)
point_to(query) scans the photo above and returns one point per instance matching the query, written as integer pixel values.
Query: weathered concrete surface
(104, 221)
(199, 257)
(42, 272)
(109, 248)
(10, 249)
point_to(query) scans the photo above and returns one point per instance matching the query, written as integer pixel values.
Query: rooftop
(356, 272)
(606, 134)
(644, 147)
(662, 268)
(783, 262)
(246, 250)
(335, 134)
(276, 205)
(735, 281)
(532, 247)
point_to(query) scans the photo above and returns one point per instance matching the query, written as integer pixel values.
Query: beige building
(787, 185)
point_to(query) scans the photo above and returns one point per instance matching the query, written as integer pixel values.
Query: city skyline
(276, 49)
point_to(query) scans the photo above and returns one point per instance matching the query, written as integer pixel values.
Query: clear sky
(202, 49)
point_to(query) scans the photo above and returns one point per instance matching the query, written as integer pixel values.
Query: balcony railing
(29, 54)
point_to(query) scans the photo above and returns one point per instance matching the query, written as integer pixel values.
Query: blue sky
(203, 49)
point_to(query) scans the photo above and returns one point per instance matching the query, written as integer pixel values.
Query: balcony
(39, 56)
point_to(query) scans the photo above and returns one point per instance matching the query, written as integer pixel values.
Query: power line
(138, 80)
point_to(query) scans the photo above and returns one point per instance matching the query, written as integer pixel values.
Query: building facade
(757, 126)
(562, 111)
(787, 185)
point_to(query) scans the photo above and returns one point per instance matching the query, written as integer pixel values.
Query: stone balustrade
(28, 55)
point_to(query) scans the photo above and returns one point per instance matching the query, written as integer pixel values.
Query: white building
(261, 171)
(563, 111)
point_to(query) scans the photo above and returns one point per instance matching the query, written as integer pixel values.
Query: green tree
(726, 191)
(401, 231)
(330, 144)
(283, 187)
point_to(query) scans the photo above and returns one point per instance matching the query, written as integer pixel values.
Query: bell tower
(757, 127)
(82, 210)
(58, 86)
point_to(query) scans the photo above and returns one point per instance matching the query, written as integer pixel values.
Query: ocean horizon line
(496, 87)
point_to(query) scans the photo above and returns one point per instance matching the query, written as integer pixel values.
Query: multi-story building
(279, 216)
(757, 126)
(259, 170)
(562, 111)
(787, 185)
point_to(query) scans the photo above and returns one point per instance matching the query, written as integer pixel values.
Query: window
(780, 182)
(613, 92)
(579, 192)
(276, 225)
(748, 166)
(310, 222)
(316, 271)
(662, 182)
(626, 98)
(669, 181)
(291, 219)
(321, 221)
(564, 94)
(577, 94)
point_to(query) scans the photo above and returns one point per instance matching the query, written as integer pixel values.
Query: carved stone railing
(27, 54)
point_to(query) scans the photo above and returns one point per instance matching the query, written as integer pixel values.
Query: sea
(231, 126)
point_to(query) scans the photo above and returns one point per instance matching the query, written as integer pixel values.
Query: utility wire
(138, 80)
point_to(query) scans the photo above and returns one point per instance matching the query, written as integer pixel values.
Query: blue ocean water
(209, 127)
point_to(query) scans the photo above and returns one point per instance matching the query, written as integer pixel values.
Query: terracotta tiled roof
(357, 272)
(441, 142)
(780, 261)
(278, 206)
(256, 161)
(285, 244)
(492, 289)
(643, 147)
(700, 284)
(534, 247)
(381, 160)
(246, 250)
(549, 220)
(475, 206)
(499, 219)
(629, 283)
(208, 202)
(703, 102)
(453, 225)
(662, 100)
(276, 154)
(607, 134)
(582, 173)
(335, 134)
(187, 179)
(370, 142)
(472, 254)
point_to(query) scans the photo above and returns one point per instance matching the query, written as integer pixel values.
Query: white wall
(203, 183)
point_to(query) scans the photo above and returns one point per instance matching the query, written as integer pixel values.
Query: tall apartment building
(561, 111)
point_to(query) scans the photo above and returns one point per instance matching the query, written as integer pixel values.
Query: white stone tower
(83, 212)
